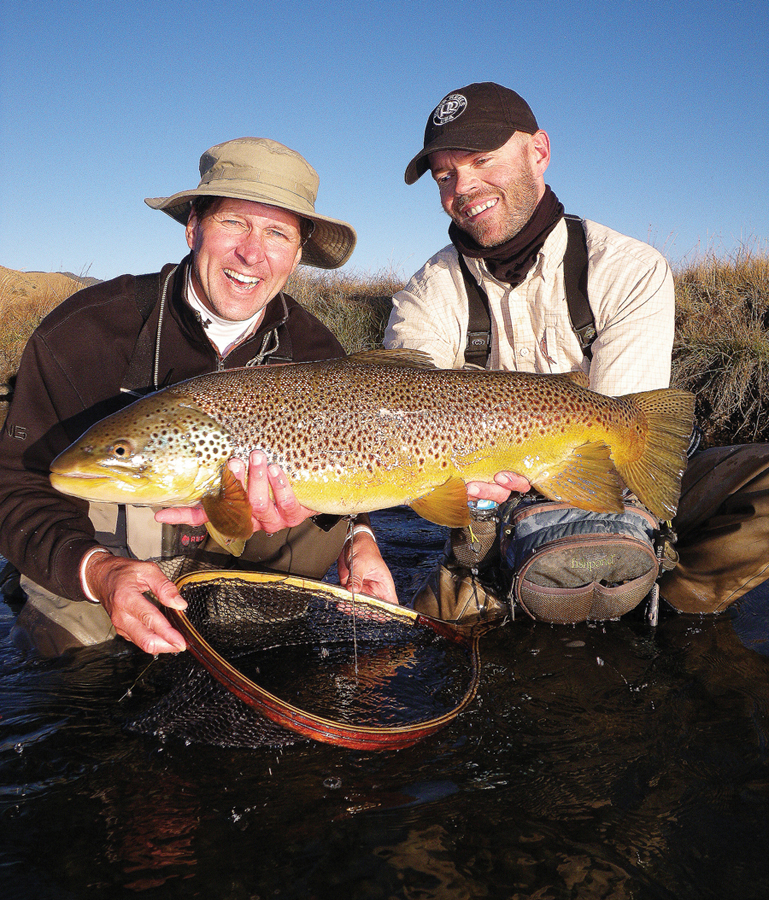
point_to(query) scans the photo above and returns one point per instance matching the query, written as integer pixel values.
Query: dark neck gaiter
(510, 262)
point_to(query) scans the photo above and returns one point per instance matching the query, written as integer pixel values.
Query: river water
(600, 761)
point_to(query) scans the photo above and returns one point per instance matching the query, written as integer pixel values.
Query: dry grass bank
(721, 349)
(25, 299)
(354, 307)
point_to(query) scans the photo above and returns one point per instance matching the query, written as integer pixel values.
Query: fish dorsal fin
(446, 505)
(588, 479)
(229, 514)
(578, 377)
(412, 359)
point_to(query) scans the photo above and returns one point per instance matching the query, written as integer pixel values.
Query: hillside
(16, 286)
(25, 299)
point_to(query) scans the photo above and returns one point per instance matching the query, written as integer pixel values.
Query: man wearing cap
(488, 156)
(249, 223)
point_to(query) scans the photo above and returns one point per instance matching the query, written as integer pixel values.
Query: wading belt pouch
(457, 594)
(567, 565)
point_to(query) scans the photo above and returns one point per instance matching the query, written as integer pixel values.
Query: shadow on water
(607, 761)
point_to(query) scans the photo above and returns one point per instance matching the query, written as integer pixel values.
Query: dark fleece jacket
(71, 375)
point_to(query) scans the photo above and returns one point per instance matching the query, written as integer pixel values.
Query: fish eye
(122, 449)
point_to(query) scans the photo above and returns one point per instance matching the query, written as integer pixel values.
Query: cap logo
(449, 108)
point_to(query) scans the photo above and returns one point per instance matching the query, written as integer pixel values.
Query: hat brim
(329, 247)
(493, 138)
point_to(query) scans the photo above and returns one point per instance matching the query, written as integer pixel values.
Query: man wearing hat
(488, 156)
(249, 223)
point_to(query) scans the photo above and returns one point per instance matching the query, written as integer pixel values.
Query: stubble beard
(519, 200)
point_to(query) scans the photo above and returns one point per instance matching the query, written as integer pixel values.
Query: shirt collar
(222, 333)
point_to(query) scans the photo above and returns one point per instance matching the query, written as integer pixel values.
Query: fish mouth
(88, 477)
(95, 487)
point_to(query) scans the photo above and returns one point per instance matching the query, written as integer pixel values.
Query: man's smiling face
(492, 195)
(244, 253)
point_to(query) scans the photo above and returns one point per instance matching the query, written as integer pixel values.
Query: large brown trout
(381, 429)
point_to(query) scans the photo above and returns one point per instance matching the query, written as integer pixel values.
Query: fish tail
(655, 474)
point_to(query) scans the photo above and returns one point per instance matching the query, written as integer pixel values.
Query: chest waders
(478, 348)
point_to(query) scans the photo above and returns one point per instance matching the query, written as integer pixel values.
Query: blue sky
(658, 115)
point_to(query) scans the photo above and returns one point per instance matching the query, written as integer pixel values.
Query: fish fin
(578, 377)
(587, 479)
(655, 475)
(409, 359)
(234, 546)
(446, 505)
(229, 513)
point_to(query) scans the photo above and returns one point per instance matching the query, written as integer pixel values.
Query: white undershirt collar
(223, 334)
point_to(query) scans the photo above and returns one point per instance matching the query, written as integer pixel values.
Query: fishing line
(138, 679)
(351, 536)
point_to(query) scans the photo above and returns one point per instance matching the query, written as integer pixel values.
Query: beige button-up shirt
(631, 294)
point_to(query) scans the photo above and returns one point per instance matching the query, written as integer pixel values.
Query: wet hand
(500, 489)
(273, 503)
(120, 584)
(370, 574)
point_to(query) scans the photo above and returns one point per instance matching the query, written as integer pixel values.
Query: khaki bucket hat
(265, 171)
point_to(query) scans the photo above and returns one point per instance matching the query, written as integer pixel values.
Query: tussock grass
(26, 298)
(721, 350)
(355, 307)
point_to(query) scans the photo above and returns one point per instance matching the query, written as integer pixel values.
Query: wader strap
(575, 281)
(137, 380)
(478, 346)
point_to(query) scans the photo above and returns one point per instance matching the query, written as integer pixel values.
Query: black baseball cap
(479, 117)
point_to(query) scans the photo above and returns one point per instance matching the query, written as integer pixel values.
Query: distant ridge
(42, 287)
(85, 280)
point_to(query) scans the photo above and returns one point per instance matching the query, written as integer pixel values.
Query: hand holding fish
(120, 585)
(273, 503)
(500, 489)
(274, 507)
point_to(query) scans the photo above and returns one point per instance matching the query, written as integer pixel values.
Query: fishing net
(273, 659)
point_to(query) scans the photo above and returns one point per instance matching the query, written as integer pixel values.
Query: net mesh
(196, 709)
(290, 658)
